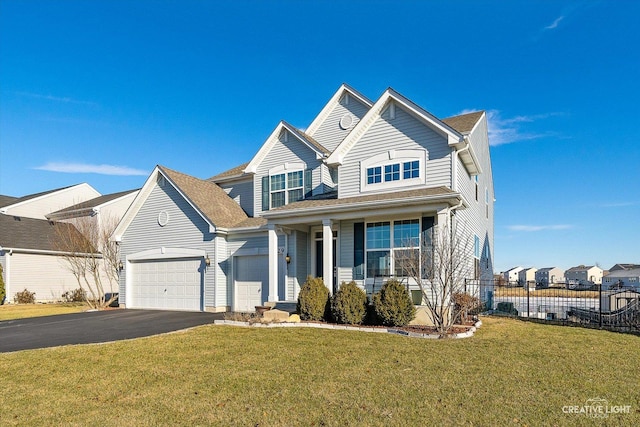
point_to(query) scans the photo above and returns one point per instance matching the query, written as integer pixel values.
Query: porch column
(273, 263)
(327, 254)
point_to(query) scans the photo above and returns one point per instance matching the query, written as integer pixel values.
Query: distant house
(622, 279)
(548, 276)
(512, 275)
(527, 275)
(619, 267)
(583, 275)
(29, 252)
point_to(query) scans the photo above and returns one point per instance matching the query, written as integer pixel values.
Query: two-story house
(584, 275)
(363, 184)
(549, 276)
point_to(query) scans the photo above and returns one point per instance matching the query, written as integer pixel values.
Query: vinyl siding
(403, 132)
(301, 261)
(330, 134)
(39, 207)
(346, 245)
(474, 217)
(292, 151)
(242, 193)
(186, 229)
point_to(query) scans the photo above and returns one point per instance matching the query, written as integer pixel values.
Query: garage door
(251, 282)
(173, 284)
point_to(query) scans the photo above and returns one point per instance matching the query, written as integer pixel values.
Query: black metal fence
(589, 306)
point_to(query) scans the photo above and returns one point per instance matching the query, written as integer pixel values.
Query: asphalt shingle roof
(209, 198)
(7, 200)
(97, 201)
(464, 123)
(237, 171)
(30, 233)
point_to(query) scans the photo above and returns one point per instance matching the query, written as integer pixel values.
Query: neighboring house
(341, 200)
(549, 276)
(583, 275)
(40, 205)
(30, 256)
(622, 278)
(512, 275)
(30, 260)
(619, 267)
(527, 275)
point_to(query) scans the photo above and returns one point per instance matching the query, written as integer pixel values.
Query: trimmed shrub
(393, 304)
(465, 305)
(3, 291)
(313, 299)
(25, 297)
(76, 295)
(349, 304)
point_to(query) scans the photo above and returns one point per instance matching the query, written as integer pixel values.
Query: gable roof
(464, 123)
(320, 151)
(29, 233)
(6, 208)
(206, 197)
(329, 106)
(232, 173)
(7, 200)
(91, 204)
(632, 272)
(455, 138)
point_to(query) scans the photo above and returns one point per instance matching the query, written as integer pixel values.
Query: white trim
(5, 209)
(331, 104)
(389, 158)
(166, 253)
(272, 140)
(375, 112)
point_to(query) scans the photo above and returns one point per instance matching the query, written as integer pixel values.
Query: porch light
(287, 258)
(207, 261)
(120, 265)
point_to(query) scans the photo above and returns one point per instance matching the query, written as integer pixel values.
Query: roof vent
(346, 121)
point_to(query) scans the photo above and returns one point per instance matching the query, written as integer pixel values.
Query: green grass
(21, 311)
(510, 372)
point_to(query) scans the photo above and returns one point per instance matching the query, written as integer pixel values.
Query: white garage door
(173, 284)
(251, 281)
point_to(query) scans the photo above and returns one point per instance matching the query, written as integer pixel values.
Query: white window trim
(285, 169)
(392, 248)
(389, 158)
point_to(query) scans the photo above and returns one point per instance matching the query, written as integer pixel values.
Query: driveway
(95, 327)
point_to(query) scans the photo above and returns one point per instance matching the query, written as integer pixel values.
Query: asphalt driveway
(95, 327)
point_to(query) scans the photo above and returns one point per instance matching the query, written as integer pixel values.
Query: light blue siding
(402, 132)
(185, 229)
(330, 134)
(242, 193)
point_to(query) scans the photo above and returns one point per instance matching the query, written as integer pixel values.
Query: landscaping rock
(275, 315)
(294, 318)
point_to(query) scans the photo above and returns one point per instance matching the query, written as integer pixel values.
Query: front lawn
(510, 372)
(21, 311)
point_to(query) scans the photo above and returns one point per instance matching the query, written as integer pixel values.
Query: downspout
(456, 154)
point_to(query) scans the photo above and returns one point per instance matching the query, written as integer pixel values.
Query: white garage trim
(165, 253)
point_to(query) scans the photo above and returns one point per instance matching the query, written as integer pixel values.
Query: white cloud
(554, 24)
(65, 100)
(531, 228)
(507, 130)
(88, 168)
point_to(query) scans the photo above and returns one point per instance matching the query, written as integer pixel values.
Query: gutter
(46, 252)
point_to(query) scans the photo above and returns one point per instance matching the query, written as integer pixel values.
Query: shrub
(3, 291)
(76, 295)
(464, 306)
(313, 299)
(25, 297)
(349, 304)
(393, 304)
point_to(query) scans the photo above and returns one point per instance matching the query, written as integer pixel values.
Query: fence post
(528, 308)
(600, 305)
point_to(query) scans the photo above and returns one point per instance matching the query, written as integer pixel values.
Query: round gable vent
(346, 121)
(163, 218)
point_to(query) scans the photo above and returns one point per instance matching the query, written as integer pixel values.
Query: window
(486, 202)
(392, 172)
(476, 246)
(411, 169)
(406, 246)
(374, 175)
(475, 178)
(283, 188)
(378, 242)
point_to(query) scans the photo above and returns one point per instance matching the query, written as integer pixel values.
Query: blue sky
(102, 91)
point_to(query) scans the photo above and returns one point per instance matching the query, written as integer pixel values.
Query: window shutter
(265, 193)
(426, 244)
(308, 183)
(358, 251)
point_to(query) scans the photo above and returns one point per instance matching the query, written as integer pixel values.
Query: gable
(396, 137)
(39, 205)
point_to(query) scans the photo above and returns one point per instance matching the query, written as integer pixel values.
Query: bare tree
(90, 256)
(440, 267)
